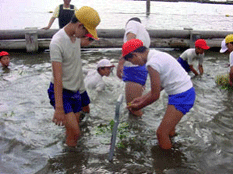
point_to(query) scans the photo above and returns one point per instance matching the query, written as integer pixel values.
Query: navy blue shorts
(183, 101)
(137, 74)
(184, 64)
(85, 99)
(71, 100)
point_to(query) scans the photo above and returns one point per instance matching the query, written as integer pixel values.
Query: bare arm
(151, 96)
(193, 70)
(120, 67)
(50, 23)
(231, 75)
(201, 70)
(59, 114)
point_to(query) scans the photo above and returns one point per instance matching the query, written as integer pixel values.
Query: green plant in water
(122, 132)
(223, 81)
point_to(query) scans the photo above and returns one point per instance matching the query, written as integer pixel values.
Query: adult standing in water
(133, 75)
(64, 13)
(67, 80)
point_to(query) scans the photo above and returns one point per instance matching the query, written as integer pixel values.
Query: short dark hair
(138, 50)
(74, 19)
(134, 19)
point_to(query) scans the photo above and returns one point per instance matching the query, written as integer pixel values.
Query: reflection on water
(31, 143)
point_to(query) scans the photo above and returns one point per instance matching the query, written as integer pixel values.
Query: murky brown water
(31, 143)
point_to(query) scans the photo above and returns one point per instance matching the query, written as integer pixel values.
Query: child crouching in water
(165, 73)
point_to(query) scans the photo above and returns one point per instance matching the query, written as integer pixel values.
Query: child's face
(199, 50)
(5, 61)
(80, 30)
(230, 47)
(136, 59)
(107, 71)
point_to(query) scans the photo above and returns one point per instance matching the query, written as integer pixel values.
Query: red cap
(201, 43)
(4, 53)
(131, 46)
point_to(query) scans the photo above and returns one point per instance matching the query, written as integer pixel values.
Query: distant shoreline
(199, 1)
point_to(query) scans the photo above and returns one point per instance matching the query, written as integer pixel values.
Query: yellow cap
(229, 38)
(89, 18)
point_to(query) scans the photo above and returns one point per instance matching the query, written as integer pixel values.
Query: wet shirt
(141, 33)
(68, 53)
(93, 80)
(190, 56)
(231, 59)
(174, 79)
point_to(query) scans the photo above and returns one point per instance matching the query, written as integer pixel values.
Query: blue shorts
(183, 101)
(184, 64)
(137, 74)
(71, 100)
(85, 100)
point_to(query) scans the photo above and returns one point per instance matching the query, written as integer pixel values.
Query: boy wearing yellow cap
(228, 47)
(188, 57)
(165, 73)
(67, 80)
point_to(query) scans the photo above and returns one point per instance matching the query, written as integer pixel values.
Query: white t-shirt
(190, 56)
(93, 80)
(174, 79)
(139, 30)
(141, 33)
(63, 50)
(231, 59)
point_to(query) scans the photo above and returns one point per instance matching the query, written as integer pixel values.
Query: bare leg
(167, 126)
(132, 91)
(72, 129)
(86, 109)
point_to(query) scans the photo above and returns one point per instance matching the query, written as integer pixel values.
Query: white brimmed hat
(104, 63)
(223, 47)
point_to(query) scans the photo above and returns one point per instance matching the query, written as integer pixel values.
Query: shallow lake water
(31, 143)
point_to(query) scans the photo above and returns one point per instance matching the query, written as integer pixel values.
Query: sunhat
(201, 43)
(223, 47)
(4, 53)
(89, 18)
(131, 46)
(104, 63)
(229, 38)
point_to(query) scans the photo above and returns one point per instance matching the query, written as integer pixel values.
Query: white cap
(223, 47)
(104, 63)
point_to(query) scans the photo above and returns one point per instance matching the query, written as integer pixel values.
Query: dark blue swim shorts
(183, 101)
(184, 64)
(137, 74)
(85, 99)
(71, 100)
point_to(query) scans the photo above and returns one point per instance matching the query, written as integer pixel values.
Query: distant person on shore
(93, 79)
(188, 57)
(227, 46)
(165, 73)
(134, 76)
(64, 13)
(67, 79)
(4, 59)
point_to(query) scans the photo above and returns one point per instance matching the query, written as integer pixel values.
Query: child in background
(93, 79)
(4, 59)
(187, 58)
(228, 46)
(134, 76)
(165, 73)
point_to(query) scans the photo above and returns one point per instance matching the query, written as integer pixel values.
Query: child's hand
(59, 117)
